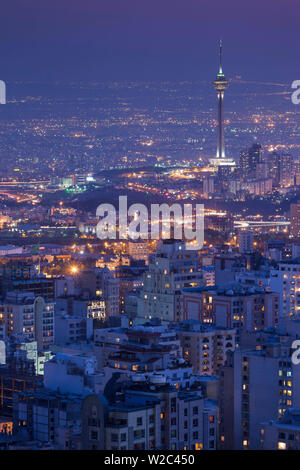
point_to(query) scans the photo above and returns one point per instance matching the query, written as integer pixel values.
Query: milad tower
(221, 83)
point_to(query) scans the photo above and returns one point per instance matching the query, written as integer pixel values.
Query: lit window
(198, 446)
(281, 446)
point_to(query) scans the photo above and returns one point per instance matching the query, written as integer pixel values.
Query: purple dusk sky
(153, 40)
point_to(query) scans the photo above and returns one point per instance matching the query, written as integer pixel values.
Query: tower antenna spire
(220, 57)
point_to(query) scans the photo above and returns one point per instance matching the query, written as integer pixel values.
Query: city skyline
(149, 228)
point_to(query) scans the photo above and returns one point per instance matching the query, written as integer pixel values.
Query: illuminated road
(261, 223)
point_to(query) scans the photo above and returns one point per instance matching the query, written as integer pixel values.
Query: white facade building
(286, 281)
(171, 269)
(29, 315)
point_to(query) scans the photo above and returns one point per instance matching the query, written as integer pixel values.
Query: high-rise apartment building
(251, 309)
(281, 169)
(205, 346)
(246, 241)
(171, 269)
(101, 283)
(286, 282)
(30, 316)
(138, 250)
(249, 160)
(152, 416)
(283, 434)
(295, 219)
(286, 170)
(256, 385)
